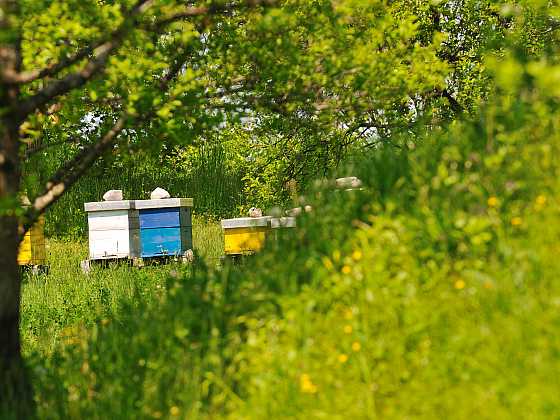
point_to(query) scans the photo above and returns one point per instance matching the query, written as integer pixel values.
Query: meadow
(430, 293)
(66, 296)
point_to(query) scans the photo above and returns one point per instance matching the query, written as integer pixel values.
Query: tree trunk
(15, 394)
(15, 390)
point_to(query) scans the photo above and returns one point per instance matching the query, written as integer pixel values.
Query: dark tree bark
(15, 395)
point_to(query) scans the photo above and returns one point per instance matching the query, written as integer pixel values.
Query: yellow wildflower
(348, 329)
(460, 284)
(516, 221)
(492, 202)
(342, 358)
(328, 263)
(541, 200)
(348, 314)
(174, 411)
(356, 346)
(346, 269)
(306, 385)
(357, 255)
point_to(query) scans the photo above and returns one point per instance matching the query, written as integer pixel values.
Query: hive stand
(113, 230)
(165, 229)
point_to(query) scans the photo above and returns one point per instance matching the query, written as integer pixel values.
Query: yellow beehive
(245, 235)
(32, 248)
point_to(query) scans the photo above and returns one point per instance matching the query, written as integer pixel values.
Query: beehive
(245, 235)
(32, 248)
(113, 230)
(282, 222)
(165, 226)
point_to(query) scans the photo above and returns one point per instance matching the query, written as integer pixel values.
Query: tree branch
(456, 106)
(62, 180)
(104, 50)
(11, 77)
(67, 175)
(215, 8)
(71, 81)
(101, 53)
(53, 69)
(554, 25)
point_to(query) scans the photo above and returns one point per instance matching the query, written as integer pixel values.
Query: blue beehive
(165, 226)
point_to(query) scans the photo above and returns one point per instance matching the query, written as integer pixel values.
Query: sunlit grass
(66, 295)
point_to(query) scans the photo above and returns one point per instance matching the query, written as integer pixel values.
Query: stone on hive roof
(113, 195)
(159, 193)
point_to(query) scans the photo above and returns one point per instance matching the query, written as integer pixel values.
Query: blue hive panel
(159, 218)
(161, 241)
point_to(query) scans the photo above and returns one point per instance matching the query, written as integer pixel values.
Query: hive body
(165, 226)
(32, 248)
(113, 230)
(245, 235)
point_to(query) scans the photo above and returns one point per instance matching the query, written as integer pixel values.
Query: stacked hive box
(165, 226)
(282, 222)
(32, 248)
(245, 235)
(113, 230)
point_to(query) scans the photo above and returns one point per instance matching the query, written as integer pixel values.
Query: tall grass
(205, 175)
(66, 296)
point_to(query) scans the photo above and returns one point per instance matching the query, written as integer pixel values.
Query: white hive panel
(113, 230)
(109, 243)
(108, 220)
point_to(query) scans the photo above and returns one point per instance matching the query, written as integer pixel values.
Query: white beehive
(114, 230)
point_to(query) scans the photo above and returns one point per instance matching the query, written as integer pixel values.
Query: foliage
(431, 293)
(293, 61)
(311, 81)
